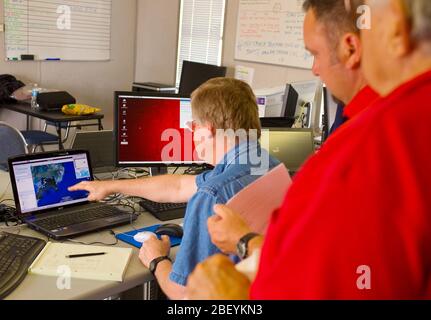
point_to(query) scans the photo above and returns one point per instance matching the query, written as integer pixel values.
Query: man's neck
(407, 70)
(222, 148)
(357, 86)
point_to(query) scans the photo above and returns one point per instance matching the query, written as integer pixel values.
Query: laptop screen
(42, 183)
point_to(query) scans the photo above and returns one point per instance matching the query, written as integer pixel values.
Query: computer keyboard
(17, 253)
(164, 211)
(76, 217)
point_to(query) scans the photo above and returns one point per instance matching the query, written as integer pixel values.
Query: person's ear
(399, 30)
(208, 126)
(351, 50)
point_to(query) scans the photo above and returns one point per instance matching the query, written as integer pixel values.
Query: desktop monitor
(288, 110)
(101, 147)
(195, 74)
(290, 102)
(151, 130)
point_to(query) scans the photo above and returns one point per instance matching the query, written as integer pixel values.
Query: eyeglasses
(192, 125)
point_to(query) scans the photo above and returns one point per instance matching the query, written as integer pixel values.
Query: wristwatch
(242, 246)
(155, 262)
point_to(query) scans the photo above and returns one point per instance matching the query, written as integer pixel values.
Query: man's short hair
(334, 15)
(227, 103)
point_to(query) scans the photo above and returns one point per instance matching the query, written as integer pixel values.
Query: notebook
(128, 237)
(109, 267)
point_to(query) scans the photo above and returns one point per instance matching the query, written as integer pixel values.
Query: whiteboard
(58, 29)
(271, 31)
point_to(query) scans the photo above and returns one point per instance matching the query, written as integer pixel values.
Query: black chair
(12, 143)
(39, 139)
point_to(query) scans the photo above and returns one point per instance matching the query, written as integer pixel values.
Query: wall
(92, 83)
(156, 40)
(157, 52)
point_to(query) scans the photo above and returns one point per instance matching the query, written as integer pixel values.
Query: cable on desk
(96, 242)
(176, 169)
(8, 215)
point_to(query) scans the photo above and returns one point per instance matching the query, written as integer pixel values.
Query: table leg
(100, 125)
(60, 139)
(28, 123)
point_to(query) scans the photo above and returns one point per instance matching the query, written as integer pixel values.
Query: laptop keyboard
(77, 217)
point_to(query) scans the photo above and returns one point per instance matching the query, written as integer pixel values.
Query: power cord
(8, 215)
(97, 242)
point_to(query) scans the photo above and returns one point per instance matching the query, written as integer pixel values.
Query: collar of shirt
(408, 86)
(360, 102)
(239, 152)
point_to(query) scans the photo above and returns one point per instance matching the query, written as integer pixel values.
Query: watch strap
(243, 242)
(155, 263)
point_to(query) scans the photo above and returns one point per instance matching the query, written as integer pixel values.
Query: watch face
(242, 249)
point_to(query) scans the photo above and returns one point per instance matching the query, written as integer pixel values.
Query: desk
(56, 117)
(36, 287)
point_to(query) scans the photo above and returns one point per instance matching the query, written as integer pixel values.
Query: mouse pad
(127, 237)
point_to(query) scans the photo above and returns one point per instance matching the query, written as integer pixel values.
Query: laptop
(291, 146)
(40, 185)
(100, 144)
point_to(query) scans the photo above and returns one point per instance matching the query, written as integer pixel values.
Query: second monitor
(151, 130)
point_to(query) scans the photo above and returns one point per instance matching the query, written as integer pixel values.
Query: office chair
(40, 138)
(194, 74)
(12, 143)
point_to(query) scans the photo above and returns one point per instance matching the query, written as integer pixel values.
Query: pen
(85, 255)
(52, 59)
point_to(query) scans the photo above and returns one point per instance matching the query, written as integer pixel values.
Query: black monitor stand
(158, 171)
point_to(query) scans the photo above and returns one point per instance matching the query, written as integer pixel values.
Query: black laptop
(40, 185)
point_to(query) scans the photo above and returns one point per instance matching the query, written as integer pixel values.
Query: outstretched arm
(168, 188)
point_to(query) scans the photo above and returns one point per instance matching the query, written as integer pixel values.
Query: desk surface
(52, 116)
(36, 287)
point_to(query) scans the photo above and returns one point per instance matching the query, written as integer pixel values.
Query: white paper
(245, 74)
(257, 201)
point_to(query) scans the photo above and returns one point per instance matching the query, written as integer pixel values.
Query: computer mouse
(170, 229)
(141, 237)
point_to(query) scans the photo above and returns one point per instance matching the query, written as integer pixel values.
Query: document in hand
(257, 201)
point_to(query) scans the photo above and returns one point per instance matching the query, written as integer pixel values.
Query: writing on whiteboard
(65, 29)
(271, 31)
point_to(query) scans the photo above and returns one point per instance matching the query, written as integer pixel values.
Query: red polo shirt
(360, 102)
(356, 223)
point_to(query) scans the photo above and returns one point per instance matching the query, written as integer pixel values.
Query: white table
(36, 287)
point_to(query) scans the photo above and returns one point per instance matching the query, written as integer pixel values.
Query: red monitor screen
(153, 130)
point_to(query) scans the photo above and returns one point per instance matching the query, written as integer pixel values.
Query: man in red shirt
(356, 223)
(332, 36)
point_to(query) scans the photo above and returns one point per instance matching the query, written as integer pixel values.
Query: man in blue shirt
(226, 130)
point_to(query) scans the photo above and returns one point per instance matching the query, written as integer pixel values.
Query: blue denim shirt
(236, 171)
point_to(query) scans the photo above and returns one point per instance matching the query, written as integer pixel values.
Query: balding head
(397, 46)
